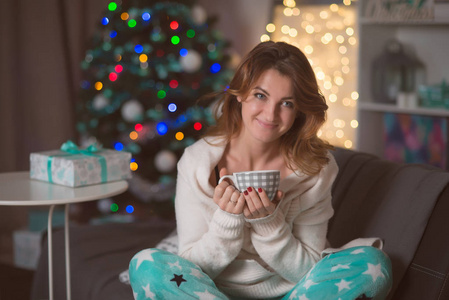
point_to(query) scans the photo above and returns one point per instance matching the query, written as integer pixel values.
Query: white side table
(17, 189)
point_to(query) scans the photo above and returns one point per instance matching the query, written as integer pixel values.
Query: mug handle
(231, 177)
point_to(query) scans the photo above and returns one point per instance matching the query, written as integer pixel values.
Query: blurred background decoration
(326, 32)
(395, 74)
(147, 65)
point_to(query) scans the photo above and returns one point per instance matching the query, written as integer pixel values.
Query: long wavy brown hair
(300, 146)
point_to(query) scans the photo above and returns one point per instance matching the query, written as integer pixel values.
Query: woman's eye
(259, 96)
(288, 104)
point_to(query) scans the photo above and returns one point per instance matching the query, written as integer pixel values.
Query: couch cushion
(376, 198)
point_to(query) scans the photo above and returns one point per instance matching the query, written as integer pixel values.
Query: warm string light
(326, 34)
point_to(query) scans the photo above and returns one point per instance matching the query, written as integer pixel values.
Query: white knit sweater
(257, 258)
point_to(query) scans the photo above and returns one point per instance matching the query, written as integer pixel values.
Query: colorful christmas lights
(140, 61)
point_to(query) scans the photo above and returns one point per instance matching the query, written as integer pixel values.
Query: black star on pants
(363, 297)
(178, 279)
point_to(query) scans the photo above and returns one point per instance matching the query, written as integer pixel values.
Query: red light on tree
(174, 25)
(197, 126)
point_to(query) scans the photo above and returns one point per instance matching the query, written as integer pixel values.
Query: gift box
(27, 248)
(71, 166)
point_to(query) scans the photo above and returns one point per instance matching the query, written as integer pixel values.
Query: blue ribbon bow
(72, 149)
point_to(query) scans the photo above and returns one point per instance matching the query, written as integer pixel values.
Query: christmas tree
(146, 67)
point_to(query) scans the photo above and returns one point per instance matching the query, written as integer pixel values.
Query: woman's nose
(271, 111)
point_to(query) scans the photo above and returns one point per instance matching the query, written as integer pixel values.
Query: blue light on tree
(118, 146)
(161, 128)
(138, 48)
(146, 16)
(129, 209)
(215, 68)
(172, 107)
(183, 52)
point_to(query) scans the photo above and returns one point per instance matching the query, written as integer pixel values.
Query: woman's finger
(220, 190)
(263, 197)
(240, 203)
(230, 189)
(249, 200)
(259, 207)
(236, 203)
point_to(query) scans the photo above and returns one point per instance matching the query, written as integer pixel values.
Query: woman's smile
(266, 125)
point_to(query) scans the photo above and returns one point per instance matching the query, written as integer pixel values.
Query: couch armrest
(373, 197)
(428, 275)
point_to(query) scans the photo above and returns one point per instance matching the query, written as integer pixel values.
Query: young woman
(235, 245)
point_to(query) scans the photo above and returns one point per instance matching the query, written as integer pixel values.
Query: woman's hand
(258, 205)
(227, 197)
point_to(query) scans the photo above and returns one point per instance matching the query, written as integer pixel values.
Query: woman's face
(270, 110)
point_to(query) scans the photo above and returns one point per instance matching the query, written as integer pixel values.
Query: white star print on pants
(363, 272)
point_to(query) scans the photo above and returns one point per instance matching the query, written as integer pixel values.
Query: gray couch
(406, 205)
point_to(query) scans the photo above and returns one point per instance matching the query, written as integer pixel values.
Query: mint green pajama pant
(354, 273)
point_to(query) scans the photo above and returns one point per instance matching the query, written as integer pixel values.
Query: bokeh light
(190, 33)
(114, 207)
(173, 84)
(138, 48)
(133, 135)
(179, 136)
(215, 68)
(197, 126)
(113, 76)
(138, 127)
(175, 40)
(183, 52)
(98, 85)
(146, 16)
(112, 6)
(129, 209)
(174, 25)
(172, 107)
(161, 94)
(162, 128)
(133, 166)
(118, 146)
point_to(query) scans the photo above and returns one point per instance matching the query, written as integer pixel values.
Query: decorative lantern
(394, 72)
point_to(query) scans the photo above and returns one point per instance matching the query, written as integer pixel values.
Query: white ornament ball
(100, 102)
(104, 205)
(165, 161)
(191, 62)
(132, 110)
(199, 15)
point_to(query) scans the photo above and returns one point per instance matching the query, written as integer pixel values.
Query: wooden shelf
(381, 107)
(371, 21)
(427, 39)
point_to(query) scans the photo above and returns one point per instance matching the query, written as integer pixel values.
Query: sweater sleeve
(293, 250)
(208, 236)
